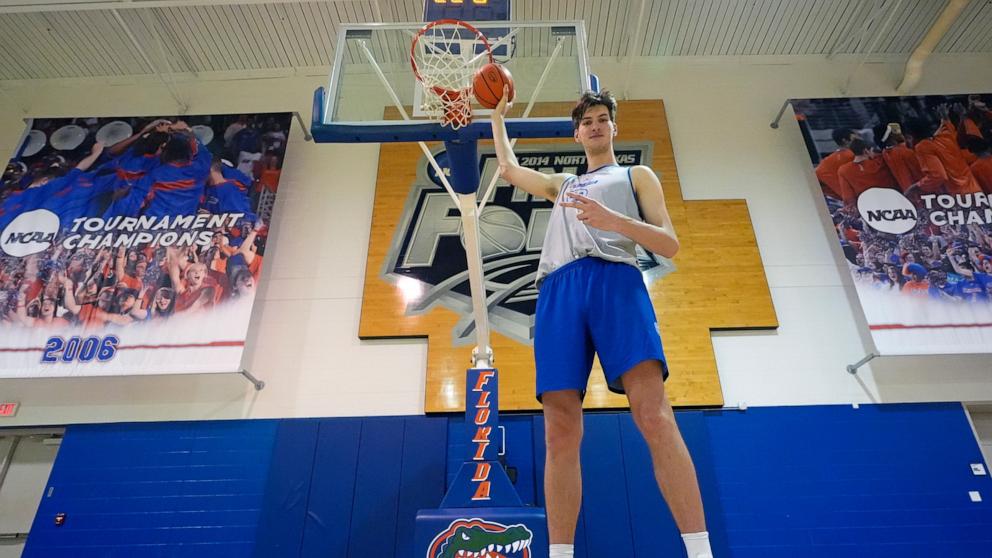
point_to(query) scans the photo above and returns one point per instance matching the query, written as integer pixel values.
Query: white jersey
(568, 239)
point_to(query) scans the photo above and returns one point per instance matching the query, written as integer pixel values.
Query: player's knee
(655, 424)
(562, 436)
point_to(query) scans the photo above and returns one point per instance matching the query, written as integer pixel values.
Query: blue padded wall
(370, 476)
(155, 489)
(822, 481)
(828, 481)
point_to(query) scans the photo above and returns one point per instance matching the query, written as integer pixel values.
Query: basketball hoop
(444, 58)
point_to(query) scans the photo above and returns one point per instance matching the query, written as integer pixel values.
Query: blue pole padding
(594, 83)
(317, 114)
(463, 156)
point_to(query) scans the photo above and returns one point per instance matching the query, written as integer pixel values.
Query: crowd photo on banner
(119, 221)
(936, 151)
(908, 183)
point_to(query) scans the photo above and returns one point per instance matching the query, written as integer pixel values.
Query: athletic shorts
(591, 306)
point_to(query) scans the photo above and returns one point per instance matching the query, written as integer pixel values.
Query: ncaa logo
(478, 538)
(427, 256)
(887, 210)
(29, 233)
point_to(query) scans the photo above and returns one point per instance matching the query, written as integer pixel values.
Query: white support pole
(403, 113)
(482, 356)
(871, 47)
(183, 106)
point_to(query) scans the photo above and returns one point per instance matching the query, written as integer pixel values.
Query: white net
(445, 56)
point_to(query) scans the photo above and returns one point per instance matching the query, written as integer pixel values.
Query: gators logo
(478, 538)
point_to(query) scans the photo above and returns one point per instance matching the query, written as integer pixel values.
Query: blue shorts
(593, 305)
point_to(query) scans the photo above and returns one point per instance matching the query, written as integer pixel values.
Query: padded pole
(463, 156)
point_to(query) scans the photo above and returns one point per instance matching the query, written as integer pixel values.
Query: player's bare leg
(562, 471)
(673, 467)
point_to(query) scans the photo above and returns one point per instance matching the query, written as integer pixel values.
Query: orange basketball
(488, 85)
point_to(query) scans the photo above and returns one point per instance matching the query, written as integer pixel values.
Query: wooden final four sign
(416, 285)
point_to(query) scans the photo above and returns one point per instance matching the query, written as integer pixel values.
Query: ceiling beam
(25, 6)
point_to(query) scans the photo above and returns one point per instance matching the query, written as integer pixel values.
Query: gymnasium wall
(811, 481)
(303, 341)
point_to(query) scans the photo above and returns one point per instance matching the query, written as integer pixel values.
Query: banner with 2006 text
(134, 245)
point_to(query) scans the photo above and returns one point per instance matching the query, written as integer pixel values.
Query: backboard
(372, 74)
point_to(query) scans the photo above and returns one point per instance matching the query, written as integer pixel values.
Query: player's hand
(503, 105)
(157, 125)
(594, 214)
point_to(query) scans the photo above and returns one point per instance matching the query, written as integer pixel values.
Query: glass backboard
(372, 74)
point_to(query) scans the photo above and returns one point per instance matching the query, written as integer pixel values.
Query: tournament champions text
(132, 232)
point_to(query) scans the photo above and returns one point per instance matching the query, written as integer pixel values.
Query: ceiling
(78, 38)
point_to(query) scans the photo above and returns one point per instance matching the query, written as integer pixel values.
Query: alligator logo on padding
(478, 538)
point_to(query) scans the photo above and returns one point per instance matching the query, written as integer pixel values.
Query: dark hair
(591, 99)
(842, 136)
(976, 144)
(919, 128)
(150, 142)
(52, 166)
(172, 302)
(177, 149)
(859, 146)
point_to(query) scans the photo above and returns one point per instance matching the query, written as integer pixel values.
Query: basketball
(488, 85)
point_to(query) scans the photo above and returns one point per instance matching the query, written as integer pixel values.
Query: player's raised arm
(87, 162)
(528, 180)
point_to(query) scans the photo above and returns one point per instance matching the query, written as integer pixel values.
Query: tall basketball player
(593, 299)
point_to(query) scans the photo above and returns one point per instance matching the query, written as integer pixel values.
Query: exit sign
(8, 409)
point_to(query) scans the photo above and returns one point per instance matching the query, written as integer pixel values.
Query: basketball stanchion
(481, 514)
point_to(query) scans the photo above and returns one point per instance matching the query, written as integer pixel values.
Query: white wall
(29, 467)
(303, 341)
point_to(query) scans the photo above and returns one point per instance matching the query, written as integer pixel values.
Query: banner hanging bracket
(853, 368)
(778, 117)
(259, 384)
(307, 136)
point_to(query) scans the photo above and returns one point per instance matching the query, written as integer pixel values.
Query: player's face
(596, 130)
(162, 300)
(127, 303)
(47, 308)
(140, 268)
(196, 275)
(987, 265)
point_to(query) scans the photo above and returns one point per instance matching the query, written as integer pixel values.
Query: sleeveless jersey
(568, 239)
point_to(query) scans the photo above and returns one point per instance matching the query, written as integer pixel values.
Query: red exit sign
(8, 409)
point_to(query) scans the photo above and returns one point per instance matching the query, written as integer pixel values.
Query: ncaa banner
(908, 185)
(134, 245)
